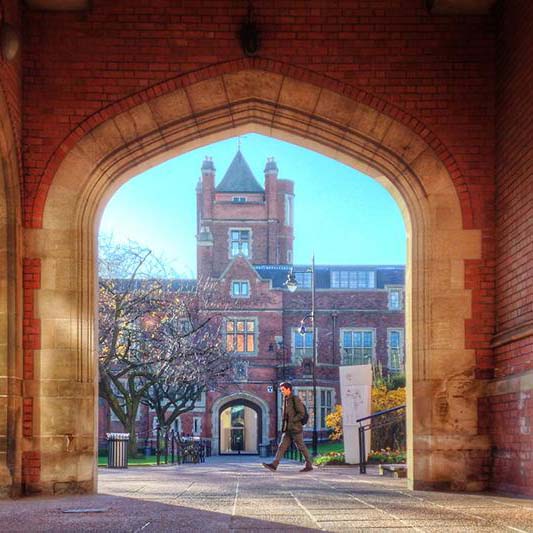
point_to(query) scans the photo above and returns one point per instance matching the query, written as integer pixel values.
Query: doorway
(240, 427)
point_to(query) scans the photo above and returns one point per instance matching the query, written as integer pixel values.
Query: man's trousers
(298, 439)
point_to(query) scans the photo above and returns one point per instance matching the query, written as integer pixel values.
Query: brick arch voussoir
(34, 207)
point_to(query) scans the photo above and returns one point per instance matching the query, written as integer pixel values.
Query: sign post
(356, 398)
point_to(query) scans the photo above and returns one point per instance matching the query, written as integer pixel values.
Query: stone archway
(13, 422)
(223, 402)
(442, 413)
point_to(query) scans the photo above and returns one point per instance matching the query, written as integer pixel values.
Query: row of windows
(240, 244)
(357, 345)
(241, 289)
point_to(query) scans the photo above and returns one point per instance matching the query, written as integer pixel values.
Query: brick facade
(461, 83)
(275, 312)
(511, 404)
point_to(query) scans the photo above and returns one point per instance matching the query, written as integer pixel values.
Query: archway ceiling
(435, 7)
(459, 7)
(58, 5)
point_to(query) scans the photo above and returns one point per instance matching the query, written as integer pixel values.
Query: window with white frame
(326, 405)
(178, 426)
(395, 349)
(302, 344)
(289, 257)
(199, 404)
(325, 402)
(239, 199)
(289, 199)
(357, 346)
(395, 298)
(353, 279)
(240, 335)
(304, 279)
(306, 395)
(155, 425)
(197, 425)
(240, 242)
(240, 289)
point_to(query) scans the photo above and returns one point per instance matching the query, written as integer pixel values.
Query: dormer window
(352, 279)
(240, 242)
(240, 289)
(239, 199)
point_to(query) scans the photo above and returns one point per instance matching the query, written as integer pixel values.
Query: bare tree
(152, 338)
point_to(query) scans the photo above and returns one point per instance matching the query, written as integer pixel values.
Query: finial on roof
(208, 164)
(271, 166)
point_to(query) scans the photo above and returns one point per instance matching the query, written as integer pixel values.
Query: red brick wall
(514, 168)
(439, 70)
(11, 77)
(512, 413)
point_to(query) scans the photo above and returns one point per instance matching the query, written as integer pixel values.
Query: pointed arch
(314, 112)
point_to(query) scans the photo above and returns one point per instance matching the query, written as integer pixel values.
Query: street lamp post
(292, 285)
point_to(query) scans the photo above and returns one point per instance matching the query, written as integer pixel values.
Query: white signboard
(356, 399)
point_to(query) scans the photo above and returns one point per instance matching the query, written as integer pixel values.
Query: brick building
(245, 237)
(432, 98)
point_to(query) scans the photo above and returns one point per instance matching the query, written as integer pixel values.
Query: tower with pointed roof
(240, 217)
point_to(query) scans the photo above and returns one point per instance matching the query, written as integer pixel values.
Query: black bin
(117, 450)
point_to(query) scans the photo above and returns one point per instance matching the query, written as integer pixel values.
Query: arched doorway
(240, 427)
(214, 106)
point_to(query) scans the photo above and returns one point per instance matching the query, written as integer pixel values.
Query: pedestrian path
(237, 494)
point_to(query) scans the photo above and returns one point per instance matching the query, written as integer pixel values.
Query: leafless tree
(155, 347)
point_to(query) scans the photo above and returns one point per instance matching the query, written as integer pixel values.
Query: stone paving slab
(226, 494)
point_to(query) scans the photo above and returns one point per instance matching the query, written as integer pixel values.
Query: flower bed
(330, 458)
(386, 456)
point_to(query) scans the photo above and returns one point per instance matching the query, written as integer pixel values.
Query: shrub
(334, 422)
(386, 456)
(331, 458)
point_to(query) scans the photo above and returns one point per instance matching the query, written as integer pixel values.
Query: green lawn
(330, 447)
(137, 461)
(151, 460)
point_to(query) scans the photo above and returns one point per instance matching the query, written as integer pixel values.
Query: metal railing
(381, 419)
(294, 454)
(172, 449)
(169, 448)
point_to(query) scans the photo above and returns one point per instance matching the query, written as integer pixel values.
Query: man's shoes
(270, 466)
(307, 468)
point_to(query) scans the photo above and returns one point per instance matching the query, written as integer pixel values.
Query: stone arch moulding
(215, 417)
(444, 448)
(14, 269)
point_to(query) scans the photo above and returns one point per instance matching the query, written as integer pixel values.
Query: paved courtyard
(239, 495)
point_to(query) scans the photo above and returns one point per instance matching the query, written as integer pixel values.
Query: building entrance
(240, 423)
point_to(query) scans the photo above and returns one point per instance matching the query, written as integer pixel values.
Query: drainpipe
(334, 316)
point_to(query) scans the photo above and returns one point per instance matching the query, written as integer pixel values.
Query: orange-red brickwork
(31, 326)
(31, 469)
(512, 415)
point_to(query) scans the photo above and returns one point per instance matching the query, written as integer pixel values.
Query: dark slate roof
(239, 177)
(385, 274)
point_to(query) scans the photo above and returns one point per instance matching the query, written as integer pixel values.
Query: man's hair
(285, 385)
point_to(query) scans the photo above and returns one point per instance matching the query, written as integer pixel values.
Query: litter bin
(117, 450)
(263, 450)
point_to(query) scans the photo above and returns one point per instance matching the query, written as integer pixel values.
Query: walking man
(292, 428)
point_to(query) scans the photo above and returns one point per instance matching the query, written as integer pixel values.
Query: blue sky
(344, 216)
